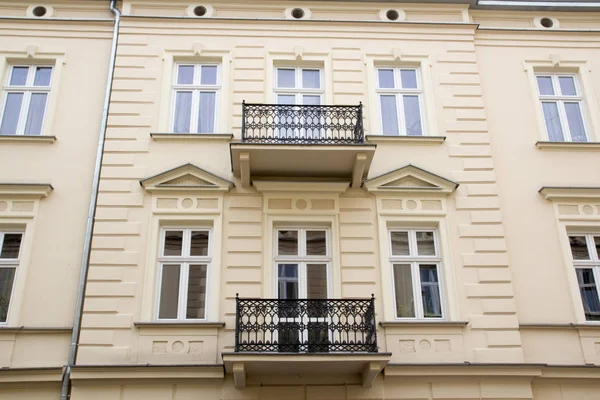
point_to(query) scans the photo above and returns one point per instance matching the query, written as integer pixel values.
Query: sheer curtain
(206, 120)
(35, 116)
(183, 112)
(12, 109)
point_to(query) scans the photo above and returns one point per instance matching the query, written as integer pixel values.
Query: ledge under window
(180, 324)
(422, 323)
(36, 329)
(27, 139)
(591, 325)
(219, 137)
(417, 140)
(575, 146)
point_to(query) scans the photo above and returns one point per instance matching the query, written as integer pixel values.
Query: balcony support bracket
(239, 375)
(358, 171)
(370, 372)
(245, 169)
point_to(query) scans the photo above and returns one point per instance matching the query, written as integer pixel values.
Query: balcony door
(296, 87)
(303, 284)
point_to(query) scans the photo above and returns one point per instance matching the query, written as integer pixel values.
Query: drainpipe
(87, 243)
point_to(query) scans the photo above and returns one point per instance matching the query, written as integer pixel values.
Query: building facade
(312, 200)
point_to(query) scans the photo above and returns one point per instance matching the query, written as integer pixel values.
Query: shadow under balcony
(316, 339)
(326, 142)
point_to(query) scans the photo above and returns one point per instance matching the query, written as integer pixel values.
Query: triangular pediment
(410, 179)
(187, 177)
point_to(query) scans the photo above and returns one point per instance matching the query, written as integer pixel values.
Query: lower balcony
(301, 141)
(335, 339)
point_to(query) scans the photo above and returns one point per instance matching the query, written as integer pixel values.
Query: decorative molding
(570, 192)
(193, 325)
(146, 371)
(301, 186)
(590, 326)
(568, 146)
(27, 139)
(200, 137)
(189, 178)
(35, 329)
(26, 189)
(410, 179)
(406, 140)
(422, 324)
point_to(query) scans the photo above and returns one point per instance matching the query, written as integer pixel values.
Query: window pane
(316, 244)
(567, 86)
(7, 276)
(199, 245)
(405, 306)
(286, 99)
(386, 78)
(425, 243)
(11, 245)
(400, 243)
(579, 248)
(42, 76)
(430, 291)
(409, 78)
(169, 292)
(196, 293)
(173, 243)
(287, 243)
(589, 293)
(597, 245)
(288, 281)
(545, 85)
(206, 120)
(12, 109)
(316, 281)
(35, 115)
(183, 112)
(209, 75)
(311, 79)
(412, 115)
(286, 78)
(185, 75)
(389, 116)
(555, 133)
(575, 120)
(310, 100)
(18, 76)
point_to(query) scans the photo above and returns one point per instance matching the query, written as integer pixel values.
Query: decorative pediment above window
(26, 189)
(570, 192)
(187, 178)
(410, 179)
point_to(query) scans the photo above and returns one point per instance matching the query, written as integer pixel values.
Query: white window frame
(560, 102)
(185, 260)
(398, 92)
(302, 259)
(196, 88)
(414, 260)
(298, 90)
(11, 263)
(593, 263)
(28, 89)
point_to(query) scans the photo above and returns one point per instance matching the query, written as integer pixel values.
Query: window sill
(416, 140)
(196, 325)
(35, 329)
(422, 323)
(591, 325)
(27, 139)
(573, 146)
(219, 137)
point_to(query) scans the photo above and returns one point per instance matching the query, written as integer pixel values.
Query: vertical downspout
(87, 243)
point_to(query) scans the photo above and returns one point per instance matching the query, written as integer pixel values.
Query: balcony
(301, 141)
(307, 338)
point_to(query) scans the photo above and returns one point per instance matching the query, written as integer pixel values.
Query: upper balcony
(305, 337)
(302, 141)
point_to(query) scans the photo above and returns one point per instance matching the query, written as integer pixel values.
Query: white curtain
(183, 112)
(12, 110)
(206, 120)
(35, 116)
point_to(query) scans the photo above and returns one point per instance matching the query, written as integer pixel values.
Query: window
(183, 269)
(562, 107)
(195, 98)
(10, 252)
(400, 101)
(24, 100)
(585, 250)
(415, 264)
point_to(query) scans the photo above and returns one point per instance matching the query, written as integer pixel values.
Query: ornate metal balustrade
(313, 326)
(302, 124)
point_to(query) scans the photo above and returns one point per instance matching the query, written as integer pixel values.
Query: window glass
(425, 243)
(316, 281)
(186, 75)
(169, 291)
(386, 78)
(400, 243)
(208, 75)
(567, 86)
(311, 78)
(11, 246)
(316, 243)
(405, 307)
(430, 291)
(389, 115)
(206, 120)
(409, 78)
(173, 243)
(287, 242)
(7, 276)
(196, 292)
(575, 120)
(42, 76)
(35, 116)
(199, 243)
(579, 248)
(589, 293)
(545, 85)
(183, 112)
(555, 132)
(288, 281)
(12, 110)
(286, 78)
(18, 76)
(412, 115)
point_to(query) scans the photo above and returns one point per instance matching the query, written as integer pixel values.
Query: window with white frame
(195, 97)
(400, 101)
(184, 262)
(585, 250)
(415, 262)
(562, 107)
(10, 253)
(25, 98)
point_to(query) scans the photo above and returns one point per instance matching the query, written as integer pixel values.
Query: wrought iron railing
(312, 326)
(302, 124)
